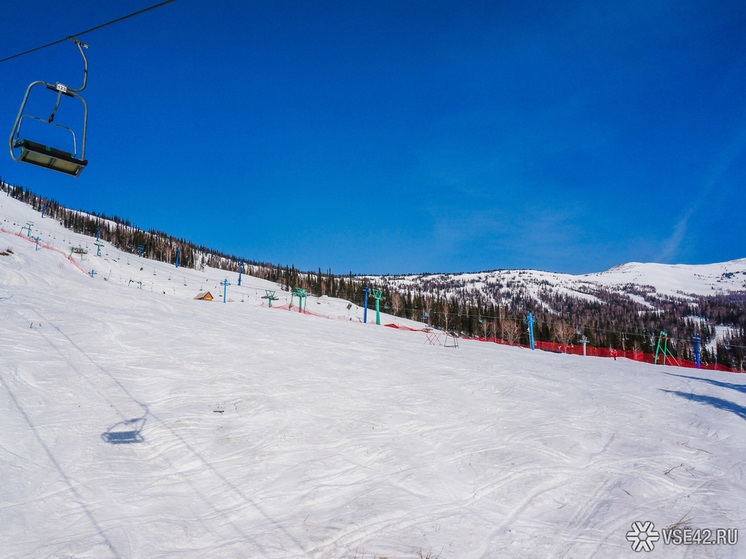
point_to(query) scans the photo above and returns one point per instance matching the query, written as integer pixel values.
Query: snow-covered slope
(144, 424)
(121, 268)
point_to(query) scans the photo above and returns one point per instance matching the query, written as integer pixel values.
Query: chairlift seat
(45, 156)
(49, 158)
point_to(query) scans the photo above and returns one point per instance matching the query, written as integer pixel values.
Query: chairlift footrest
(45, 156)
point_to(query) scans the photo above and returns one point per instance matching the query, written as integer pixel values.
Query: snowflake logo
(643, 536)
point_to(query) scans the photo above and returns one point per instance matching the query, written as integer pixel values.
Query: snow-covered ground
(144, 424)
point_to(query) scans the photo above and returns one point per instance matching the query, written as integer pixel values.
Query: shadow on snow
(732, 386)
(126, 432)
(718, 403)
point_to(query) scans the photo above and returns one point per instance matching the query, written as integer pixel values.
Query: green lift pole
(663, 348)
(377, 297)
(270, 295)
(301, 293)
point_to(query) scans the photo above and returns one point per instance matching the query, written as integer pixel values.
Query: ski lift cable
(89, 30)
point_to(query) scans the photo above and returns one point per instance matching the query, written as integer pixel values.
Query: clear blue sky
(403, 137)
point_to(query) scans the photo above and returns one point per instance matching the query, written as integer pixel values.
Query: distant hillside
(636, 280)
(626, 307)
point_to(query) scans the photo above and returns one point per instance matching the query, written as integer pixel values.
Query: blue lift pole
(530, 321)
(225, 285)
(98, 231)
(696, 339)
(178, 253)
(45, 209)
(240, 269)
(139, 251)
(365, 305)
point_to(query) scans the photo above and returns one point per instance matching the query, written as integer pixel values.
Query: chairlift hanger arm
(80, 46)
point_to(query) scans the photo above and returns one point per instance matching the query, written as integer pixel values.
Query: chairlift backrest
(45, 156)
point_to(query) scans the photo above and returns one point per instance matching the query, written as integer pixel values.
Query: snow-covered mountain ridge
(640, 282)
(677, 279)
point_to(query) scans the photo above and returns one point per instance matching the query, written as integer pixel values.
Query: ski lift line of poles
(431, 313)
(257, 290)
(43, 232)
(435, 312)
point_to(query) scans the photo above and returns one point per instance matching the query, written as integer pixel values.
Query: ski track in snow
(144, 424)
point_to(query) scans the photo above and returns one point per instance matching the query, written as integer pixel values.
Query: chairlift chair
(46, 156)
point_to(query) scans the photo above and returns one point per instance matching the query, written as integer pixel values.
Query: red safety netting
(599, 352)
(628, 354)
(48, 247)
(297, 309)
(403, 328)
